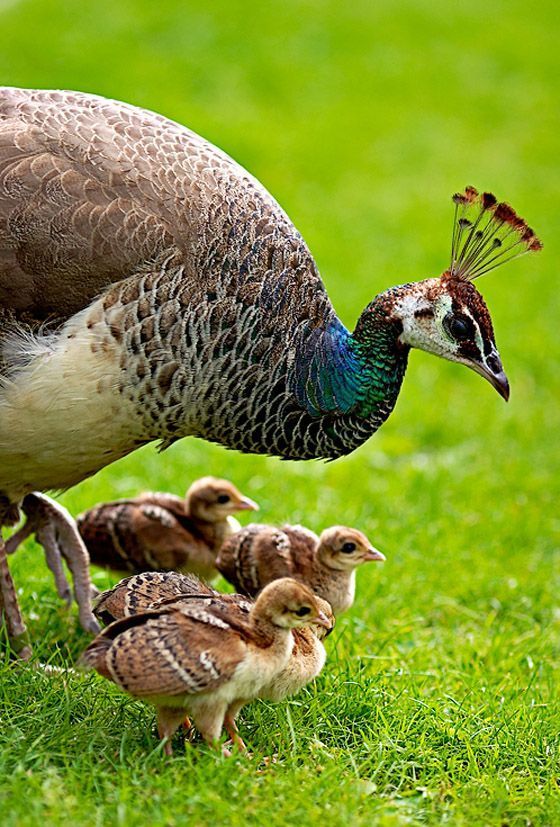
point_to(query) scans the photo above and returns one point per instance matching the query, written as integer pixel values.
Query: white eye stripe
(479, 340)
(478, 337)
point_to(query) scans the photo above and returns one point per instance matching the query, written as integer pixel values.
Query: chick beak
(323, 620)
(246, 504)
(374, 555)
(492, 370)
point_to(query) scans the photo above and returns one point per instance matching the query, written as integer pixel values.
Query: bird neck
(215, 533)
(359, 372)
(383, 356)
(342, 578)
(270, 636)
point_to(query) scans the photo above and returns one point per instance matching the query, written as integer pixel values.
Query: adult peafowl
(150, 289)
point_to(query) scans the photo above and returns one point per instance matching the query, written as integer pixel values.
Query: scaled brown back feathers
(94, 190)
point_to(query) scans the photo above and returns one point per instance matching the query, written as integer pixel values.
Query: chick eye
(348, 548)
(223, 498)
(305, 610)
(459, 327)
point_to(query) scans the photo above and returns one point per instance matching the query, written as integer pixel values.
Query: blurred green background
(439, 702)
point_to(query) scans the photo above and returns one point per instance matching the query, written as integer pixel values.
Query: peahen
(151, 289)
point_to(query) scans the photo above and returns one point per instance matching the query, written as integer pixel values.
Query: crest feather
(486, 234)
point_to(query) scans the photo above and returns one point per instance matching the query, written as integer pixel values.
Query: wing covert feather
(173, 654)
(92, 189)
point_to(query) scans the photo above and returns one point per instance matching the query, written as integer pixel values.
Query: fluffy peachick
(258, 554)
(204, 661)
(150, 289)
(161, 532)
(153, 589)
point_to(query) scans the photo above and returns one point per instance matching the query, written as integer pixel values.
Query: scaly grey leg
(9, 609)
(56, 531)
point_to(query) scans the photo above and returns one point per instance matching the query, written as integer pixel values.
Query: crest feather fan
(486, 234)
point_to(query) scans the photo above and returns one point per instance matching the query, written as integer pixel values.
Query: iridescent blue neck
(340, 372)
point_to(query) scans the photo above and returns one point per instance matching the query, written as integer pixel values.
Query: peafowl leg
(230, 726)
(9, 608)
(169, 720)
(56, 531)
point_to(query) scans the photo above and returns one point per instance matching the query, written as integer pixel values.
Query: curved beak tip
(495, 375)
(246, 504)
(375, 555)
(499, 382)
(505, 389)
(323, 620)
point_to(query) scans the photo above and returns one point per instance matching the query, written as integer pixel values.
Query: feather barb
(486, 234)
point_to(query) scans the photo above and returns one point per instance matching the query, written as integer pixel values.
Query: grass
(439, 702)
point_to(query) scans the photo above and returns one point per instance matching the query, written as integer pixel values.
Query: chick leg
(230, 726)
(169, 719)
(56, 531)
(209, 720)
(9, 609)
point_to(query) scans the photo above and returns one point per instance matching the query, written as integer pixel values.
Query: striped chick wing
(139, 534)
(167, 652)
(141, 591)
(302, 548)
(162, 541)
(255, 556)
(237, 606)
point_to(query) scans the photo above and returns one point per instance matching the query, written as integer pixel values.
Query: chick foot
(189, 730)
(56, 531)
(230, 727)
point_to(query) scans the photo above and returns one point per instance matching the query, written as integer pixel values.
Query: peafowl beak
(492, 370)
(375, 555)
(323, 620)
(246, 504)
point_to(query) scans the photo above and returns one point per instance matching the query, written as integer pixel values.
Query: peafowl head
(344, 549)
(447, 316)
(212, 500)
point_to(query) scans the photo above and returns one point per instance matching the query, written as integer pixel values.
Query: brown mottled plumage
(206, 662)
(150, 289)
(161, 532)
(258, 554)
(140, 592)
(151, 590)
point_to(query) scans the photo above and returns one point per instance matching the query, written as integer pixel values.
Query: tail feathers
(95, 656)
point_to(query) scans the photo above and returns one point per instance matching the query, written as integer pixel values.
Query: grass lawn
(439, 702)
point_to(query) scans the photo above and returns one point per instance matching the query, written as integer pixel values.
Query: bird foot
(189, 730)
(235, 738)
(267, 761)
(56, 531)
(239, 744)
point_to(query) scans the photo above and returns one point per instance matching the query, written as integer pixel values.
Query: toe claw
(90, 624)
